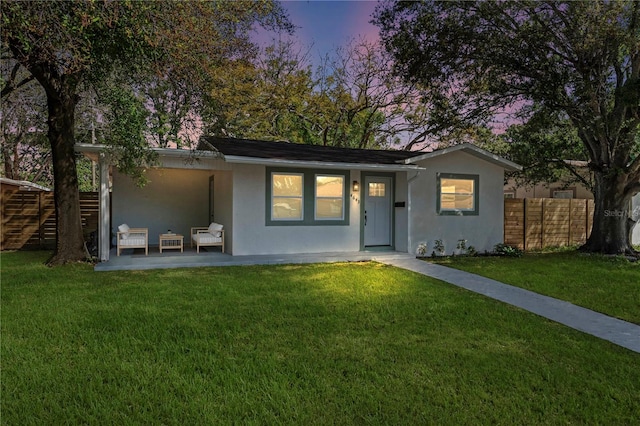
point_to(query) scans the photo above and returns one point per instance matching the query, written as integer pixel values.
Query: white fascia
(91, 150)
(321, 164)
(469, 149)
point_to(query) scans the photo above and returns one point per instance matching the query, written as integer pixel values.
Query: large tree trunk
(70, 245)
(610, 232)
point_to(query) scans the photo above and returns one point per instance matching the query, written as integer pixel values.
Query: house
(10, 185)
(281, 198)
(564, 188)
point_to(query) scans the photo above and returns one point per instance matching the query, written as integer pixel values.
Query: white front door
(377, 211)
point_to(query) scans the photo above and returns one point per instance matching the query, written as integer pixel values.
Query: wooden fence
(534, 223)
(29, 221)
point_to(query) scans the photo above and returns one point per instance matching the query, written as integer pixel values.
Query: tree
(549, 148)
(577, 60)
(65, 44)
(351, 101)
(24, 153)
(268, 97)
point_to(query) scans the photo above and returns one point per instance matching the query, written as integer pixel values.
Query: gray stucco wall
(223, 206)
(252, 236)
(175, 199)
(401, 236)
(483, 231)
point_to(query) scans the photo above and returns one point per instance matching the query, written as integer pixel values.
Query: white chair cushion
(133, 240)
(214, 229)
(124, 228)
(206, 238)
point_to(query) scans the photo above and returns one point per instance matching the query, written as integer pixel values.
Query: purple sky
(324, 25)
(328, 24)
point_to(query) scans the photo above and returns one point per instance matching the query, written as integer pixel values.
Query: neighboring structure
(559, 189)
(547, 190)
(278, 197)
(572, 190)
(7, 184)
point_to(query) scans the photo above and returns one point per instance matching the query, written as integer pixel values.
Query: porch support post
(105, 231)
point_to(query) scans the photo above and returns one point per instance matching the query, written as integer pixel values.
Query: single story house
(281, 198)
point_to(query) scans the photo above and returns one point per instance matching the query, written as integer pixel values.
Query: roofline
(24, 185)
(478, 152)
(87, 148)
(235, 159)
(171, 152)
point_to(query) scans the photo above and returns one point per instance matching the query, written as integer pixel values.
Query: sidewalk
(620, 332)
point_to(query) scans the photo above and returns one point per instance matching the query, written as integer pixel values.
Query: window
(509, 195)
(287, 196)
(329, 197)
(377, 189)
(306, 197)
(457, 194)
(565, 193)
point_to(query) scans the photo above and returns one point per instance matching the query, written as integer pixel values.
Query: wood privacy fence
(29, 219)
(535, 223)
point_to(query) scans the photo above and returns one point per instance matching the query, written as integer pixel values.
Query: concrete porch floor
(135, 259)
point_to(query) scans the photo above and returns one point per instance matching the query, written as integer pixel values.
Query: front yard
(312, 344)
(610, 285)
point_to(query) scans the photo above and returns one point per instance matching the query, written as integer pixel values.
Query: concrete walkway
(620, 332)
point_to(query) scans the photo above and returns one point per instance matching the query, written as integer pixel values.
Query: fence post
(542, 224)
(569, 240)
(40, 221)
(524, 224)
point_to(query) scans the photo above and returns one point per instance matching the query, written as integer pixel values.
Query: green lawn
(605, 284)
(313, 344)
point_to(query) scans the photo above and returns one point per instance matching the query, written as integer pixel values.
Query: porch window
(457, 194)
(329, 190)
(287, 193)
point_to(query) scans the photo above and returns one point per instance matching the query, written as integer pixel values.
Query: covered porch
(184, 189)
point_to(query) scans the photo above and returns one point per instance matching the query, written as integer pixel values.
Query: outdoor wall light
(356, 186)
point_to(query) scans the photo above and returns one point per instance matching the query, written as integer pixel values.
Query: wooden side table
(171, 241)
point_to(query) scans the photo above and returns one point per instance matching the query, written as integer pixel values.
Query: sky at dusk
(324, 25)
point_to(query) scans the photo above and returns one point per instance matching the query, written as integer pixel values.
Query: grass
(610, 285)
(311, 344)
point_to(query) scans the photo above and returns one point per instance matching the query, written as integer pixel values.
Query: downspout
(409, 207)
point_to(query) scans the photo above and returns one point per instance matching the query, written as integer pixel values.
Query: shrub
(507, 250)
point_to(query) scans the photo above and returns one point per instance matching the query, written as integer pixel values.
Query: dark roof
(301, 152)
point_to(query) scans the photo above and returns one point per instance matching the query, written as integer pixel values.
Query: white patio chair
(131, 238)
(210, 236)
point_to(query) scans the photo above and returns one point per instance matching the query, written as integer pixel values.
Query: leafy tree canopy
(68, 43)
